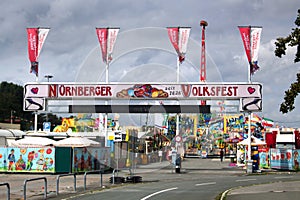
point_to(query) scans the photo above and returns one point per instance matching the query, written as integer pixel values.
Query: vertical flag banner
(36, 39)
(179, 37)
(107, 38)
(251, 40)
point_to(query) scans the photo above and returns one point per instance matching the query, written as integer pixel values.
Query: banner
(32, 34)
(107, 38)
(144, 91)
(251, 40)
(42, 35)
(179, 38)
(36, 39)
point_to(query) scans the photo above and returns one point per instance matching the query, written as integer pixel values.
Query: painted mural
(286, 159)
(89, 158)
(27, 159)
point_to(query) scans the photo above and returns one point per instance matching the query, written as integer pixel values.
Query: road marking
(249, 179)
(155, 193)
(281, 177)
(210, 183)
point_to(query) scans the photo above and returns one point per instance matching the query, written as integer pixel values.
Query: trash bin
(177, 163)
(249, 166)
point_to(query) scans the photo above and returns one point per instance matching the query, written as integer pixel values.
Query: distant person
(160, 154)
(221, 155)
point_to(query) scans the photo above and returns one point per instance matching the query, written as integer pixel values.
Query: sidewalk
(273, 191)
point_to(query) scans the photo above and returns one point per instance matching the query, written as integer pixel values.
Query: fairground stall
(43, 155)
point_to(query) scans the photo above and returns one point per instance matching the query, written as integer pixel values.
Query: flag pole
(106, 102)
(177, 114)
(178, 65)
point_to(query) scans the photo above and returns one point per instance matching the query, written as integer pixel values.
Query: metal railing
(8, 189)
(93, 172)
(64, 175)
(35, 179)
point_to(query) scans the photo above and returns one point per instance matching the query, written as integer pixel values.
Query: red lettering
(224, 91)
(97, 91)
(61, 90)
(108, 91)
(218, 91)
(86, 91)
(80, 91)
(235, 91)
(102, 91)
(92, 92)
(205, 91)
(213, 91)
(52, 91)
(68, 91)
(195, 91)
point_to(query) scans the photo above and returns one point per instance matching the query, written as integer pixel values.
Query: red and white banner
(42, 34)
(179, 38)
(144, 91)
(107, 38)
(36, 39)
(251, 40)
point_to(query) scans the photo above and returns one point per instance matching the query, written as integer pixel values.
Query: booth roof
(11, 133)
(76, 142)
(254, 141)
(30, 141)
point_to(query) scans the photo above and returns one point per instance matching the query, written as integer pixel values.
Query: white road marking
(209, 183)
(249, 179)
(282, 177)
(155, 193)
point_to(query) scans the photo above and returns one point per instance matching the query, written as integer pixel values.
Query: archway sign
(85, 97)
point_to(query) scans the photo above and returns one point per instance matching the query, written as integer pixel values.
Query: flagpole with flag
(251, 39)
(107, 38)
(179, 37)
(35, 40)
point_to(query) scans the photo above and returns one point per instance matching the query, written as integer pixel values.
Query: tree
(11, 103)
(292, 40)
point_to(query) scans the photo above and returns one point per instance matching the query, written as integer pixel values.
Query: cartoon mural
(3, 157)
(89, 158)
(287, 159)
(29, 159)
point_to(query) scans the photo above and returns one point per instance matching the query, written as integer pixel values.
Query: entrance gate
(138, 98)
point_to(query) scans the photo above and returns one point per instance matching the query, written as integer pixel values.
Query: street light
(48, 77)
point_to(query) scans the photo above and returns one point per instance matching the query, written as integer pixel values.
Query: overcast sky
(143, 51)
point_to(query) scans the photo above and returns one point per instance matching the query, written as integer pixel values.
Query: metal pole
(35, 121)
(177, 114)
(106, 102)
(178, 65)
(249, 143)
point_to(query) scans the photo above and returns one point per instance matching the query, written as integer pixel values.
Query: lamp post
(48, 77)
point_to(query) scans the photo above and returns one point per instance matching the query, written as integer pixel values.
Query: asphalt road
(199, 179)
(195, 185)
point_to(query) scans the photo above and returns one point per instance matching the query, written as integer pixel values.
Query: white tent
(254, 141)
(28, 141)
(76, 142)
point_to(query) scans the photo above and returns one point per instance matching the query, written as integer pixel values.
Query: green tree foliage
(292, 40)
(11, 104)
